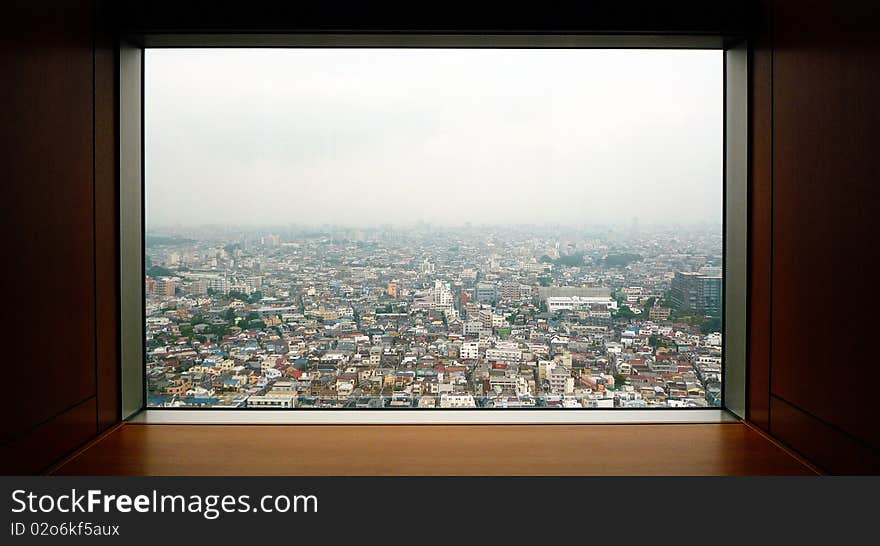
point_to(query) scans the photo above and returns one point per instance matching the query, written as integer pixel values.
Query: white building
(580, 303)
(272, 400)
(442, 296)
(470, 350)
(560, 380)
(506, 352)
(457, 401)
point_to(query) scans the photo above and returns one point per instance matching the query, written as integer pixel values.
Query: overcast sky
(373, 136)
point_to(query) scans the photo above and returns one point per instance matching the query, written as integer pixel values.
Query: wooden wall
(59, 197)
(814, 118)
(815, 175)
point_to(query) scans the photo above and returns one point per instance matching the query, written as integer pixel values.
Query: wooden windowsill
(667, 449)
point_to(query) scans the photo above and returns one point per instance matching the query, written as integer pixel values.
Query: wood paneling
(814, 142)
(825, 206)
(106, 223)
(48, 206)
(760, 242)
(59, 192)
(433, 450)
(633, 16)
(33, 452)
(827, 447)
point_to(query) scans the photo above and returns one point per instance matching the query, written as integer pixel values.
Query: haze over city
(366, 137)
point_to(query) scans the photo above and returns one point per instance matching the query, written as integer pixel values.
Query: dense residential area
(434, 317)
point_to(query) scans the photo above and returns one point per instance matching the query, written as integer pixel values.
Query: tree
(620, 260)
(624, 313)
(159, 271)
(236, 295)
(711, 324)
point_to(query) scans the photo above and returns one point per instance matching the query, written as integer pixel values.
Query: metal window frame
(131, 201)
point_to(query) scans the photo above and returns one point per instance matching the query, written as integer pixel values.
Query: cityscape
(433, 228)
(427, 316)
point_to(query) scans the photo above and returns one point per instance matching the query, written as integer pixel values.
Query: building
(696, 292)
(163, 286)
(442, 297)
(485, 292)
(476, 328)
(457, 401)
(511, 290)
(579, 303)
(273, 400)
(560, 380)
(505, 352)
(470, 350)
(545, 292)
(659, 313)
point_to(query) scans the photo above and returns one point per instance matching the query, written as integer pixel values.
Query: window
(434, 228)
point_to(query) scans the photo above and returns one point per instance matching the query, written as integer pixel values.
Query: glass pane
(433, 228)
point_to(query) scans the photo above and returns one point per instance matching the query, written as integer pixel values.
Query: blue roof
(201, 400)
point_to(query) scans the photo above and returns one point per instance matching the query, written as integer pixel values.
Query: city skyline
(506, 318)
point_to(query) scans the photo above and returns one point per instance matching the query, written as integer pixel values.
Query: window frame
(132, 229)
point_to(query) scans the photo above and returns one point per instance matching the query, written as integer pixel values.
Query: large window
(433, 228)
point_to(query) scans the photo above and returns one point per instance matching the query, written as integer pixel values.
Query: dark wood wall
(815, 176)
(59, 207)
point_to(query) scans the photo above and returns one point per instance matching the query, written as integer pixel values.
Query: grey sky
(370, 136)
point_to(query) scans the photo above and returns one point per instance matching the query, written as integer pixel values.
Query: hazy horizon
(368, 138)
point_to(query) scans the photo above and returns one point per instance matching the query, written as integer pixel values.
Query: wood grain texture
(106, 222)
(598, 16)
(48, 442)
(47, 196)
(826, 203)
(712, 449)
(830, 449)
(760, 220)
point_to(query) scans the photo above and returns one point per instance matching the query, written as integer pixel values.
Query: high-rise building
(442, 296)
(510, 290)
(485, 292)
(697, 292)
